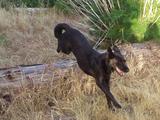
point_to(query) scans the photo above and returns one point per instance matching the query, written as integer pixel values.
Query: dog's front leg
(110, 96)
(109, 102)
(102, 83)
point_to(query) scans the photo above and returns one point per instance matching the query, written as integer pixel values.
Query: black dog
(93, 63)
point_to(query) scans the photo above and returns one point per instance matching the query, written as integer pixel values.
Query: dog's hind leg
(102, 83)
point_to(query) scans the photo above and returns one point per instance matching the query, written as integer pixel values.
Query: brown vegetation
(30, 40)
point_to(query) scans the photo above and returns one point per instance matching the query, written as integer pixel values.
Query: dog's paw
(117, 105)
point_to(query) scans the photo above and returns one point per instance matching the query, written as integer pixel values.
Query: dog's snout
(127, 69)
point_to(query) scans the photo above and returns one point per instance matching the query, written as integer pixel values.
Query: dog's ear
(115, 48)
(110, 53)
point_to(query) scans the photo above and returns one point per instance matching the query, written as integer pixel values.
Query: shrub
(63, 6)
(28, 3)
(152, 32)
(60, 5)
(127, 20)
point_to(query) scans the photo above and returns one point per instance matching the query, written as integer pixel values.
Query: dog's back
(65, 33)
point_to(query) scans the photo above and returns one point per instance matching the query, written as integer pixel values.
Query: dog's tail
(59, 29)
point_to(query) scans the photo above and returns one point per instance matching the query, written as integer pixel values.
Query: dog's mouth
(66, 52)
(120, 72)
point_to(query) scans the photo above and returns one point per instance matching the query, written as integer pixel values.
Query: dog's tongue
(119, 71)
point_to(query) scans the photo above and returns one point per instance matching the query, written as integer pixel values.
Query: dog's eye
(124, 60)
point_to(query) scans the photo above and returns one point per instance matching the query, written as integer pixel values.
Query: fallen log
(36, 73)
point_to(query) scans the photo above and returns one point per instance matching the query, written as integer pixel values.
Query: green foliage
(152, 32)
(37, 3)
(63, 6)
(127, 20)
(138, 29)
(28, 3)
(3, 40)
(5, 4)
(119, 21)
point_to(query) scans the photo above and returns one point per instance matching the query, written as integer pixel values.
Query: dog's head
(64, 46)
(117, 60)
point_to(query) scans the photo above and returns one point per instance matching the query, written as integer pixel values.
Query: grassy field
(28, 39)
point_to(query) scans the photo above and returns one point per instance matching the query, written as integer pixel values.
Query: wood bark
(22, 75)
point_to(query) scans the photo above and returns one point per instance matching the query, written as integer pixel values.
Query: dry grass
(29, 37)
(74, 96)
